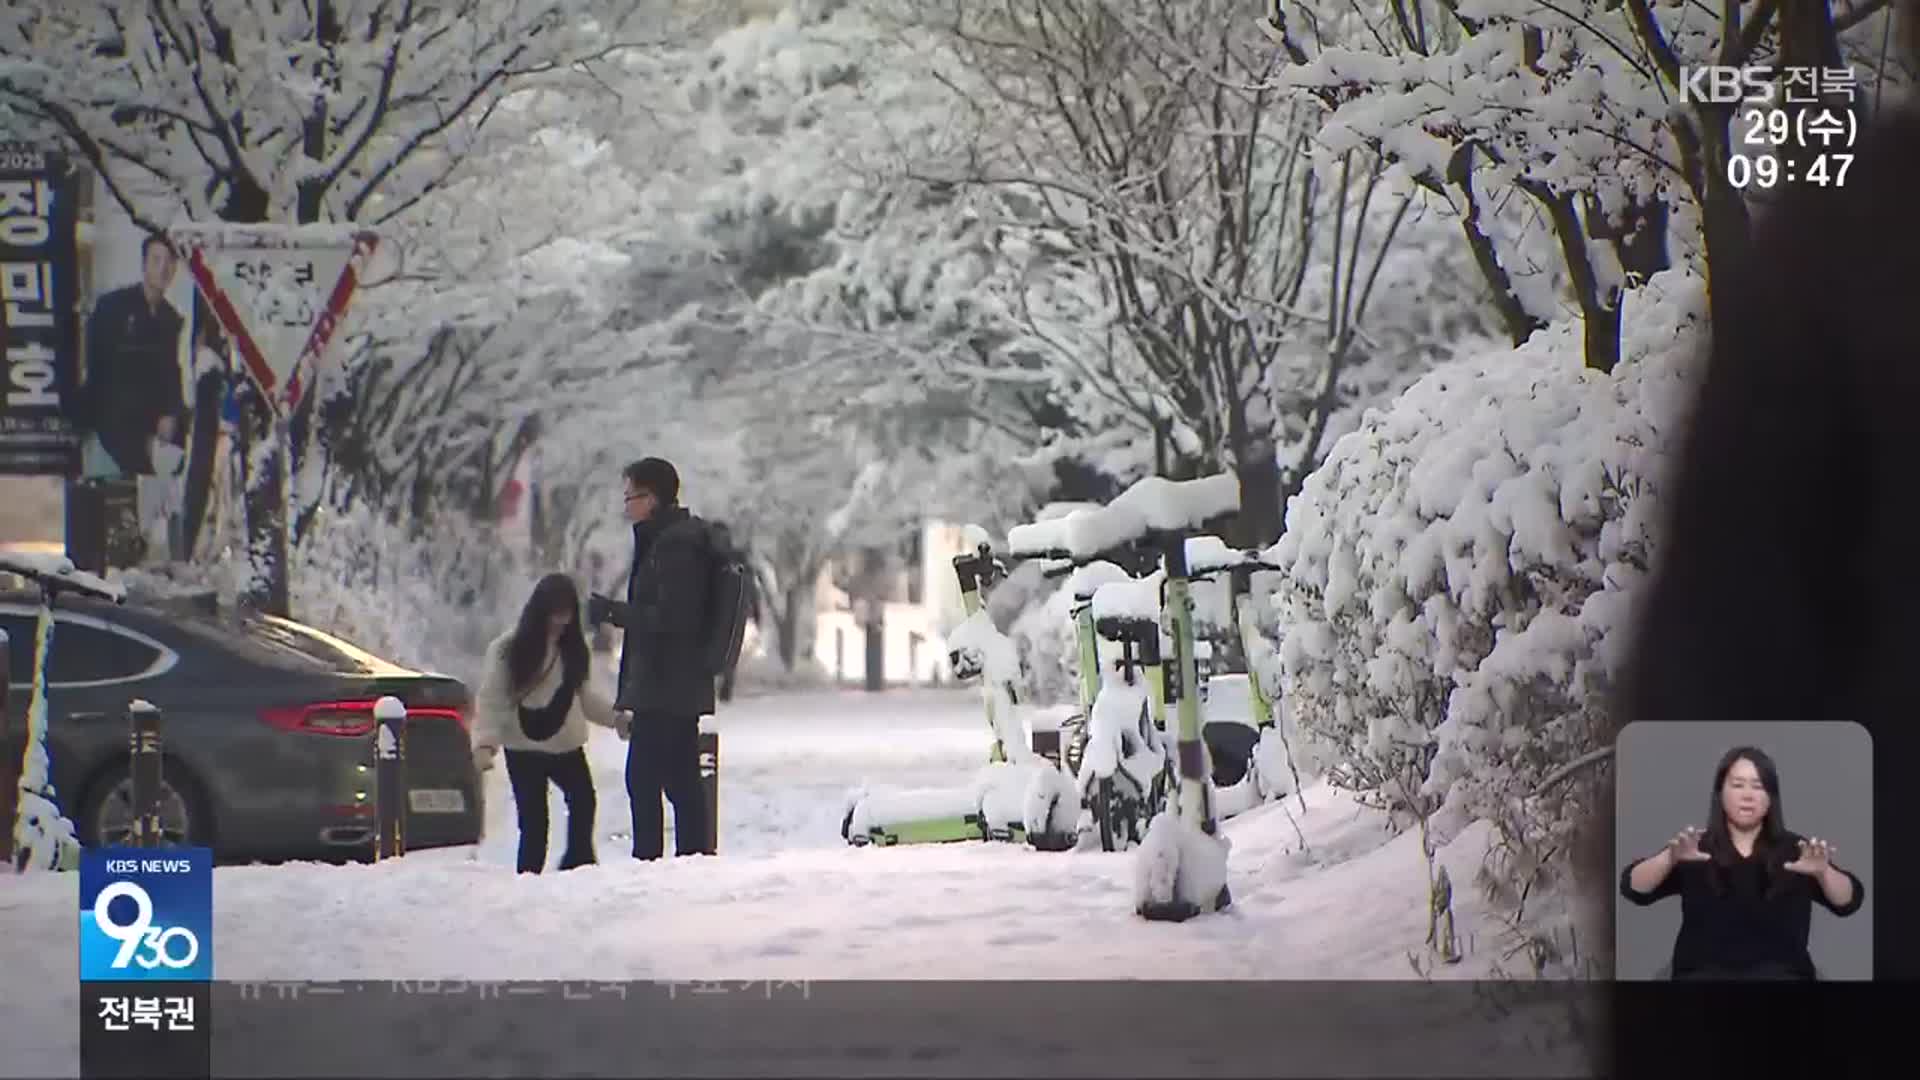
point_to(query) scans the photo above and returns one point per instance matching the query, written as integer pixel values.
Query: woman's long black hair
(527, 651)
(1774, 846)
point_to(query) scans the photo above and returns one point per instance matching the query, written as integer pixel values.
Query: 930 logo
(141, 942)
(146, 915)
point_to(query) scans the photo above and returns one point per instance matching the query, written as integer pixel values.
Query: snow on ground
(787, 897)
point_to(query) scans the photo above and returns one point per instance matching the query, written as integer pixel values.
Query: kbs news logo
(146, 915)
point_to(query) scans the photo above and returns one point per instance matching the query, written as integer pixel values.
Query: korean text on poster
(39, 322)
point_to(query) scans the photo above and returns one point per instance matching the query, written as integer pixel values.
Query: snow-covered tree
(1138, 212)
(1577, 109)
(338, 110)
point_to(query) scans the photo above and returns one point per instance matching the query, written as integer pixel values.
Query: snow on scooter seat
(1136, 599)
(1040, 718)
(1038, 539)
(1087, 580)
(1154, 504)
(1046, 533)
(1210, 555)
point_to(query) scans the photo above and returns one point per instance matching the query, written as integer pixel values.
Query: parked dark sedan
(267, 727)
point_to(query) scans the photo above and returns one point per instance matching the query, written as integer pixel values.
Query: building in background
(922, 598)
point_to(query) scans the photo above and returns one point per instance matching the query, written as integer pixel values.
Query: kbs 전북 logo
(146, 915)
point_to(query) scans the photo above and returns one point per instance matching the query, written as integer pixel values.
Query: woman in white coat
(535, 702)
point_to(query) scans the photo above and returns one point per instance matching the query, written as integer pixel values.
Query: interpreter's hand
(1816, 855)
(1685, 846)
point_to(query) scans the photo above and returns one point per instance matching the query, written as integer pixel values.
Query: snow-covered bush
(1049, 650)
(427, 605)
(1458, 574)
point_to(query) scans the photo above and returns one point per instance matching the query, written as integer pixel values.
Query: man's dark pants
(663, 757)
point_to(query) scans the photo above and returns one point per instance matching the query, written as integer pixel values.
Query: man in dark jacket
(664, 685)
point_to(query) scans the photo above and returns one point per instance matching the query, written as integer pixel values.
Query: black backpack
(729, 600)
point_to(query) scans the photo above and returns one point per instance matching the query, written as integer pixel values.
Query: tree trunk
(208, 390)
(1262, 513)
(1725, 225)
(794, 601)
(1599, 302)
(875, 630)
(267, 502)
(268, 589)
(870, 590)
(1519, 323)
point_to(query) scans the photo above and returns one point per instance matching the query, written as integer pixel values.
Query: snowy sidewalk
(787, 898)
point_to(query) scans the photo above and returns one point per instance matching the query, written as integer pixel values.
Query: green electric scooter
(1183, 851)
(1232, 741)
(957, 814)
(1122, 798)
(1113, 789)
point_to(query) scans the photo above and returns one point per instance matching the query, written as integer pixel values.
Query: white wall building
(924, 600)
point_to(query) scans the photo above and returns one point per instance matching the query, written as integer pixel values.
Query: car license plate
(437, 800)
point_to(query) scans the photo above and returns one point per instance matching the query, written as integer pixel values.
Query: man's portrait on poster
(132, 400)
(1747, 884)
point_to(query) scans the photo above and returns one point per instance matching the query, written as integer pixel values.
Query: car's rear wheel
(108, 819)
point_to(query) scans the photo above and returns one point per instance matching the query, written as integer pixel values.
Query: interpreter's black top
(1743, 918)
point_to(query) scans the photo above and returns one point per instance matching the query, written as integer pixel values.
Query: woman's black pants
(529, 772)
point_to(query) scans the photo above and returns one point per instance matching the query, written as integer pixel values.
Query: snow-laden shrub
(1049, 650)
(432, 605)
(1458, 574)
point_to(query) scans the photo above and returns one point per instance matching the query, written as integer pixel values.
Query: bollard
(710, 786)
(144, 773)
(390, 778)
(9, 757)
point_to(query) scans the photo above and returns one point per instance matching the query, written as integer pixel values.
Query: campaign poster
(39, 328)
(137, 398)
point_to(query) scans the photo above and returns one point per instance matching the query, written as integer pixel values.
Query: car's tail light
(350, 719)
(436, 712)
